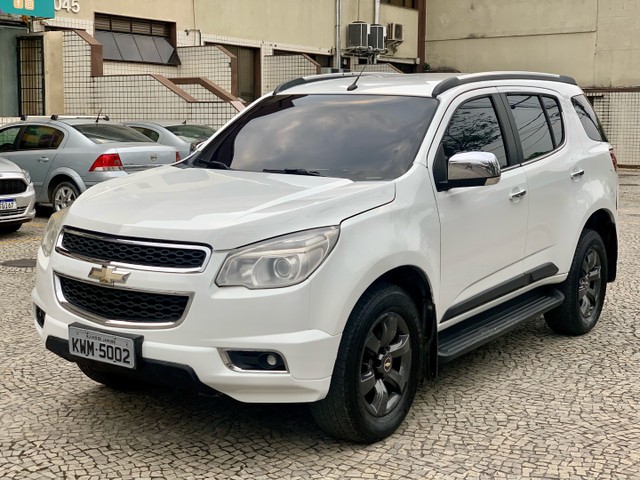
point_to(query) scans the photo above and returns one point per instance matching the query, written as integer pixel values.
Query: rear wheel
(584, 289)
(64, 194)
(377, 371)
(111, 380)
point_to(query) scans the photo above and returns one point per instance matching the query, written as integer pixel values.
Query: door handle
(515, 196)
(577, 174)
(43, 159)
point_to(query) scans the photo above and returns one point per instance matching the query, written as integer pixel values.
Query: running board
(486, 326)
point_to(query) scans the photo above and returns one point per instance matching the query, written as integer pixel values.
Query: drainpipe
(338, 60)
(376, 12)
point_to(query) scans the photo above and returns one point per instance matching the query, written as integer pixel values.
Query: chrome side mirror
(473, 169)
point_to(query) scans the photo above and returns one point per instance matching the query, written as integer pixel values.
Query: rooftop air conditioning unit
(376, 37)
(395, 32)
(357, 35)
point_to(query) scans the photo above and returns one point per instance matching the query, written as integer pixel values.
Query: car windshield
(110, 133)
(191, 133)
(359, 137)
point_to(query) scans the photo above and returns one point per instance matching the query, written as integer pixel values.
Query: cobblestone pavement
(531, 404)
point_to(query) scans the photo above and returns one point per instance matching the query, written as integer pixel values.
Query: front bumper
(25, 212)
(217, 320)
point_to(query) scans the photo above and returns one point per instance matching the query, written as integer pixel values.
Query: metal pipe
(338, 59)
(376, 12)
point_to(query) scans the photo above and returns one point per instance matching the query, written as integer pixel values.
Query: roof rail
(318, 78)
(453, 82)
(63, 117)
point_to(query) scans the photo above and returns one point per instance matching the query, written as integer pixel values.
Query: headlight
(279, 262)
(53, 229)
(27, 175)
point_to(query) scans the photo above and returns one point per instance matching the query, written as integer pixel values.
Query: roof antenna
(98, 117)
(354, 85)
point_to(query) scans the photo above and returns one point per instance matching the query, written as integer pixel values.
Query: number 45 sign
(68, 5)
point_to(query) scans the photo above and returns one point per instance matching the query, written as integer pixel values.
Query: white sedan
(17, 197)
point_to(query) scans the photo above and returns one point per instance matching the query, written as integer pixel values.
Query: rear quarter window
(588, 118)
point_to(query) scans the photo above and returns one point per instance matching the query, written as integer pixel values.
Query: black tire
(111, 380)
(377, 370)
(10, 228)
(63, 195)
(584, 289)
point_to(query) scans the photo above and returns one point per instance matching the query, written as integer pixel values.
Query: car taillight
(177, 156)
(614, 160)
(107, 162)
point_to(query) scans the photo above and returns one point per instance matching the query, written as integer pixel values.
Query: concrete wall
(53, 72)
(595, 41)
(617, 59)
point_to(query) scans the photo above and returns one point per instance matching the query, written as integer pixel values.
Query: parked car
(185, 137)
(65, 156)
(17, 197)
(337, 240)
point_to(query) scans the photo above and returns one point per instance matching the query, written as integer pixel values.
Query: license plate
(103, 347)
(9, 204)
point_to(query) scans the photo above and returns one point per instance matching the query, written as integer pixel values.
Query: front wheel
(64, 194)
(584, 289)
(377, 370)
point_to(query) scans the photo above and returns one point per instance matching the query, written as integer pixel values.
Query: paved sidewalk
(531, 404)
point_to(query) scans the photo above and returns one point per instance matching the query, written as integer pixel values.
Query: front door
(483, 229)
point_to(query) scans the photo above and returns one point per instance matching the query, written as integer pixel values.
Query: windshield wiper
(211, 164)
(293, 171)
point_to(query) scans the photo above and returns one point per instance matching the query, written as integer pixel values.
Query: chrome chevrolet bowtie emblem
(108, 275)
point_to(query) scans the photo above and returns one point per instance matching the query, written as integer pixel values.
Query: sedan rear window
(191, 133)
(110, 133)
(359, 137)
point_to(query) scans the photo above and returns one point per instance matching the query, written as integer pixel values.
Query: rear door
(555, 164)
(483, 229)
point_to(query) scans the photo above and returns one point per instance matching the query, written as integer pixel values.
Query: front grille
(121, 304)
(12, 213)
(129, 251)
(10, 186)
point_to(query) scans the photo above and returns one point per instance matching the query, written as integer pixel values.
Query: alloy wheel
(589, 284)
(385, 365)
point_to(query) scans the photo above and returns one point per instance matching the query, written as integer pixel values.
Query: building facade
(198, 60)
(595, 41)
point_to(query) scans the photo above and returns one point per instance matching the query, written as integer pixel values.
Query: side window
(588, 118)
(531, 122)
(8, 138)
(554, 114)
(40, 137)
(475, 127)
(147, 132)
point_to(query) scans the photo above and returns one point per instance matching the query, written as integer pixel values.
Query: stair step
(486, 326)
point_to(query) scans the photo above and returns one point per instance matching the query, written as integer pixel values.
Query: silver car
(185, 137)
(17, 197)
(65, 156)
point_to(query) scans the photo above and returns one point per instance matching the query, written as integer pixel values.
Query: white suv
(338, 239)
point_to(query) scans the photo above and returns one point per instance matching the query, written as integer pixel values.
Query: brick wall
(278, 69)
(619, 113)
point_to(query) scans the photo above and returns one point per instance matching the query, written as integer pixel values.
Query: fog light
(39, 314)
(254, 360)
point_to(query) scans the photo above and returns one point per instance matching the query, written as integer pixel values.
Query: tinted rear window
(110, 133)
(588, 118)
(359, 137)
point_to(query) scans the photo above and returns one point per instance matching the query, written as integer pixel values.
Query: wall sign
(72, 6)
(31, 8)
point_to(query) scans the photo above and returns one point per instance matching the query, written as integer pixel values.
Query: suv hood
(225, 209)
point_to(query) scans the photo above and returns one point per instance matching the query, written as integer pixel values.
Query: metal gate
(31, 75)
